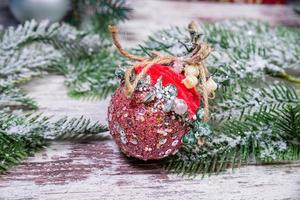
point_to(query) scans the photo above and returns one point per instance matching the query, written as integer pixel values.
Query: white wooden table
(97, 169)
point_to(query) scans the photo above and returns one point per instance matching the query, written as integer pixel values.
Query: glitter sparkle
(144, 130)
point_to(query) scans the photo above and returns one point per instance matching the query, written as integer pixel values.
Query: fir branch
(237, 143)
(96, 15)
(73, 129)
(14, 98)
(288, 124)
(244, 52)
(14, 149)
(238, 100)
(243, 49)
(22, 135)
(94, 77)
(32, 48)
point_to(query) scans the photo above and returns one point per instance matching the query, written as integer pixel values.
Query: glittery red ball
(144, 130)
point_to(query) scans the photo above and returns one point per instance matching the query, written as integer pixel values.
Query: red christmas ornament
(145, 130)
(151, 112)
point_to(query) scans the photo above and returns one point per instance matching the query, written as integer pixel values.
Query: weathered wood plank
(98, 171)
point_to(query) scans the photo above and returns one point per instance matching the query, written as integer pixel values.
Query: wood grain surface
(97, 169)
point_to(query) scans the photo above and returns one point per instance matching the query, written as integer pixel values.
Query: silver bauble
(52, 10)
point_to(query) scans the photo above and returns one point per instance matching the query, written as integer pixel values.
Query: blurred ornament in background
(52, 10)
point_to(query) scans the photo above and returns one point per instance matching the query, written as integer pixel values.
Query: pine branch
(238, 100)
(236, 143)
(73, 129)
(14, 98)
(242, 49)
(32, 48)
(13, 150)
(96, 15)
(288, 124)
(60, 36)
(22, 135)
(94, 77)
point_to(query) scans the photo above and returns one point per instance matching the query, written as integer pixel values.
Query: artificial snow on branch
(21, 135)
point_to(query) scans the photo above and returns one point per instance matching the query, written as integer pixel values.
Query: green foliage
(288, 125)
(96, 15)
(30, 49)
(22, 135)
(14, 98)
(262, 137)
(297, 10)
(13, 149)
(241, 99)
(94, 76)
(244, 50)
(35, 49)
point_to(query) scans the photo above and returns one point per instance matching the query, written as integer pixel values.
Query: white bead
(180, 107)
(190, 81)
(211, 85)
(191, 70)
